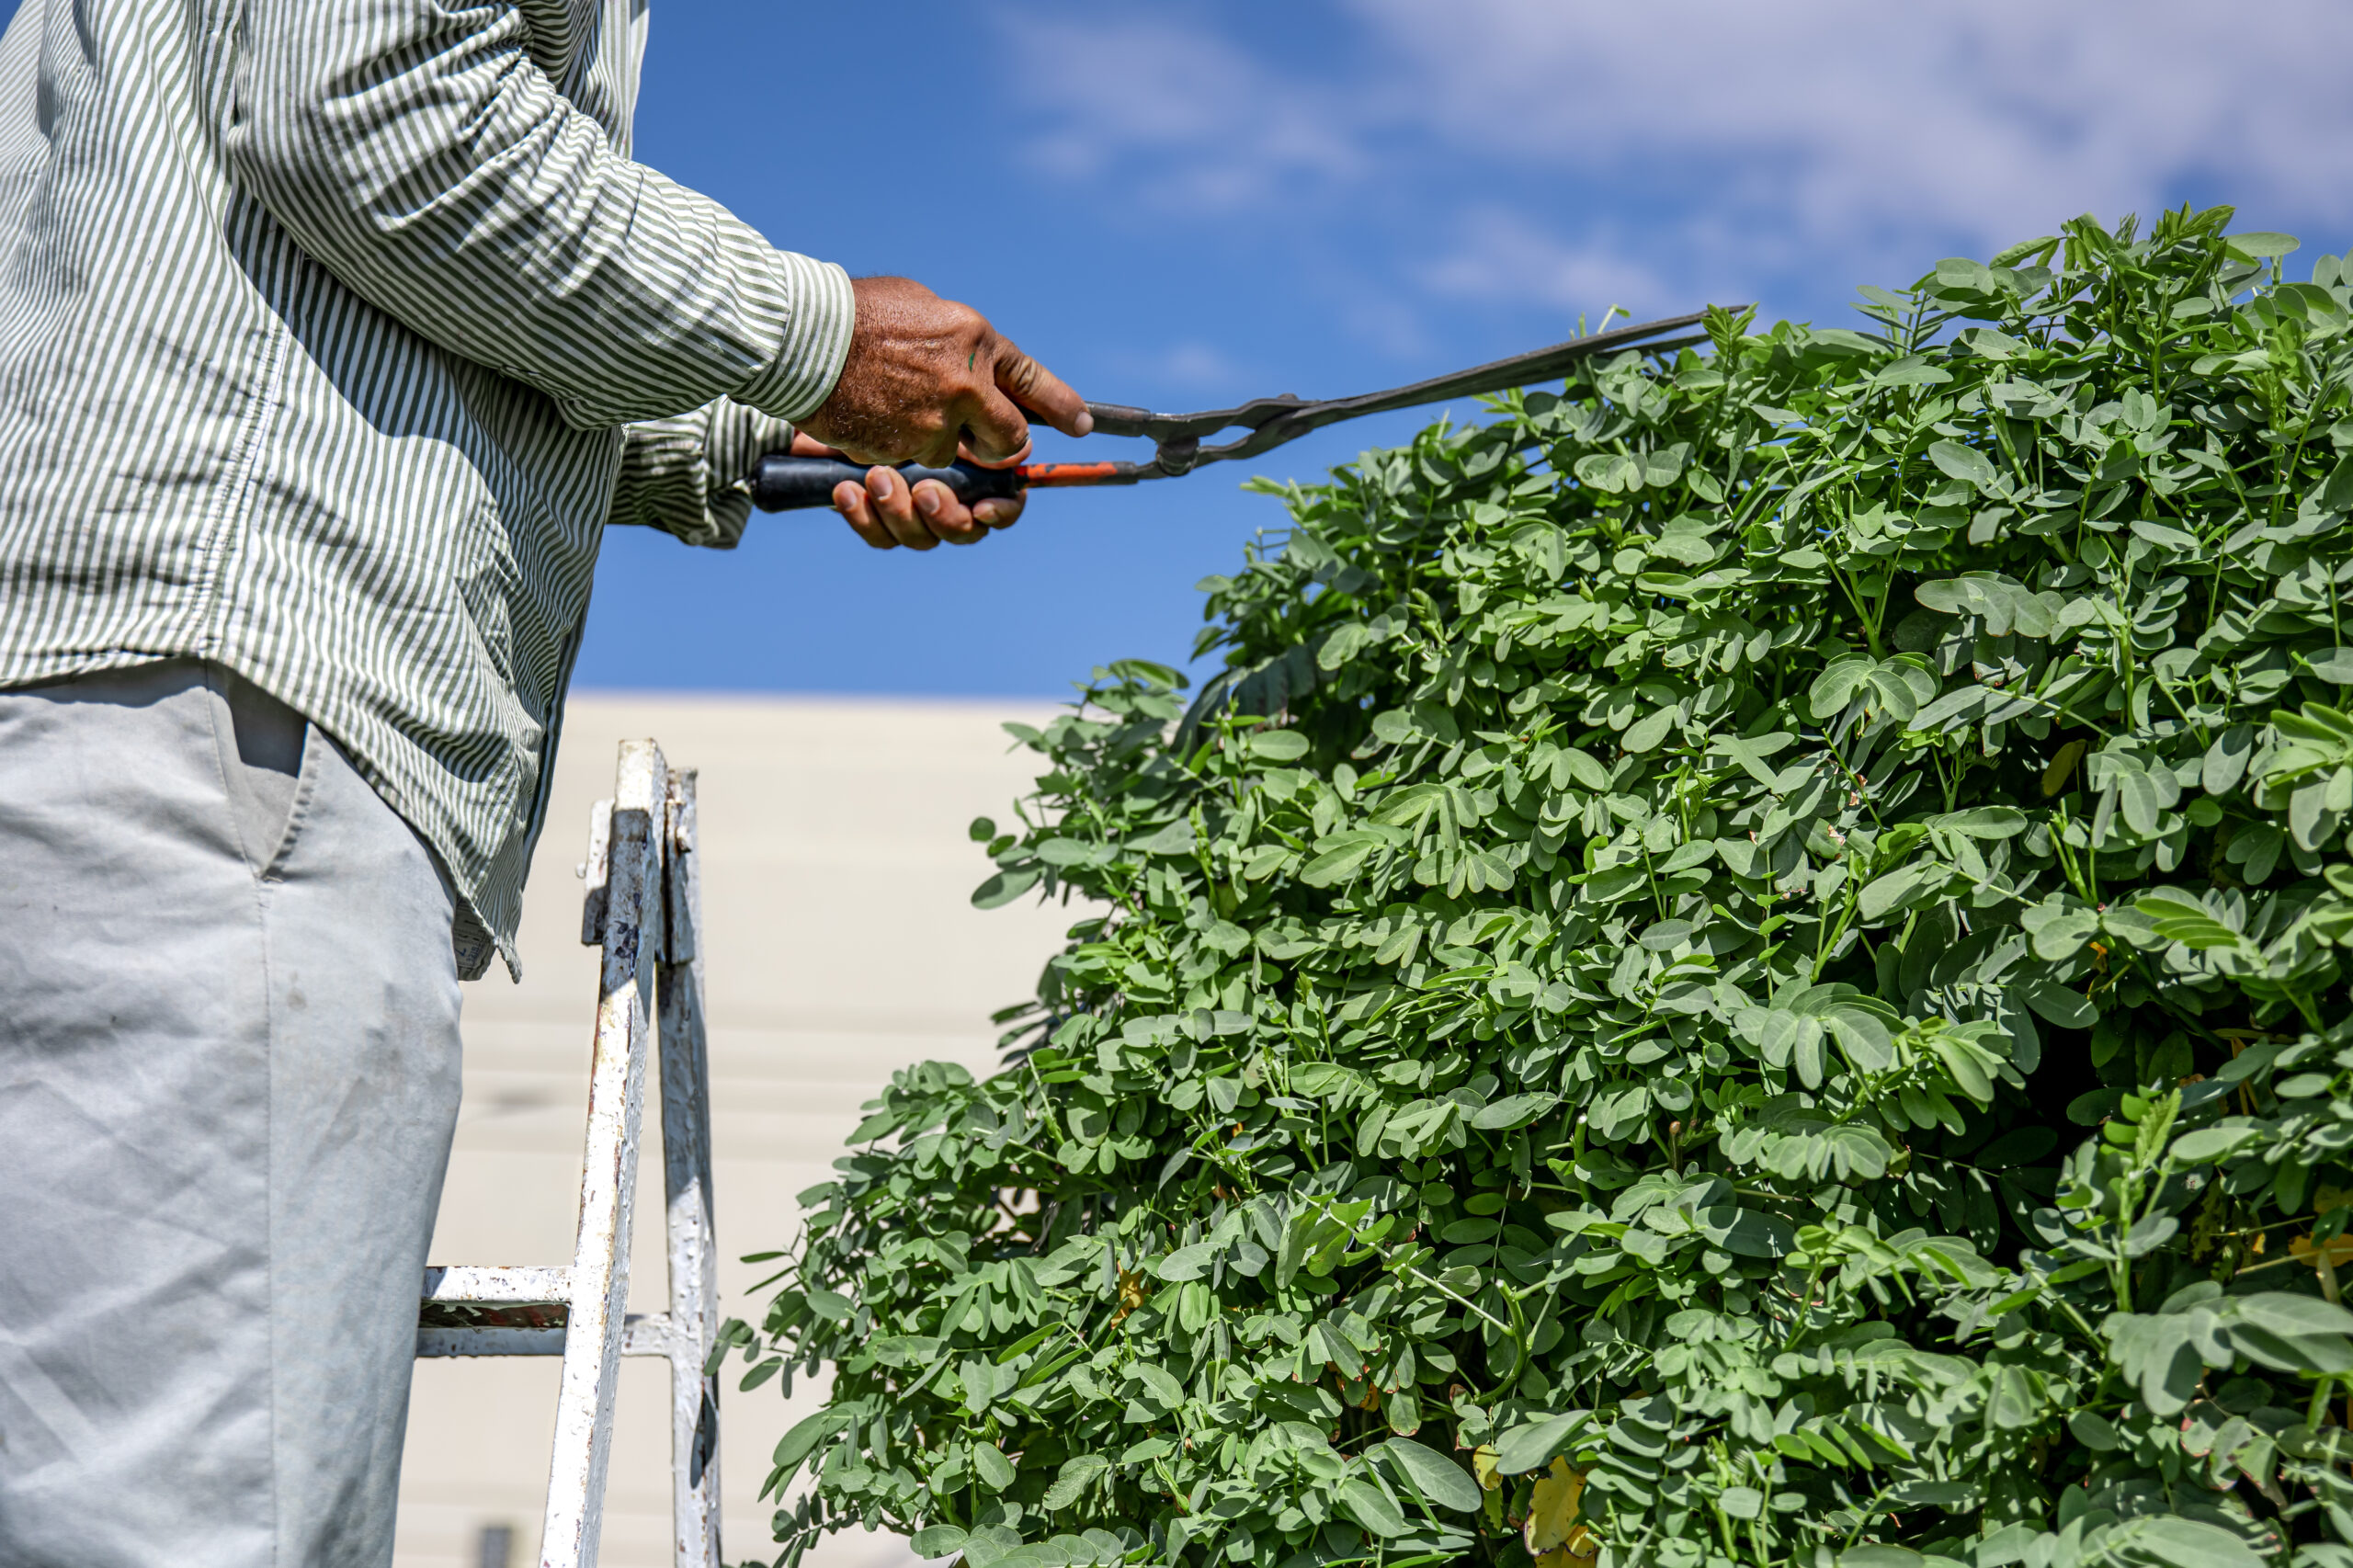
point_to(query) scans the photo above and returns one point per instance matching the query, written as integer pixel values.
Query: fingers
(948, 518)
(994, 427)
(857, 509)
(1042, 393)
(895, 507)
(887, 513)
(883, 512)
(999, 512)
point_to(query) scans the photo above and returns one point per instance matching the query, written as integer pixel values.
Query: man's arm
(419, 153)
(423, 157)
(690, 474)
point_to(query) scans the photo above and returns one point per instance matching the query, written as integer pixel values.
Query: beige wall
(840, 945)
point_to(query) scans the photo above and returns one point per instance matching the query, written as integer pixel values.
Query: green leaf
(1839, 683)
(1163, 1388)
(1366, 1504)
(2184, 1543)
(2336, 494)
(1438, 1478)
(1967, 1073)
(805, 1434)
(2263, 243)
(1534, 1444)
(1746, 1232)
(1340, 857)
(1646, 733)
(1964, 463)
(2293, 1316)
(1318, 1080)
(2226, 759)
(2058, 1004)
(990, 1464)
(2334, 666)
(1742, 1502)
(2093, 1431)
(1069, 1482)
(1899, 890)
(1513, 1111)
(939, 1540)
(1006, 886)
(1187, 1263)
(1061, 852)
(1278, 745)
(2210, 1143)
(2177, 917)
(1985, 822)
(1582, 769)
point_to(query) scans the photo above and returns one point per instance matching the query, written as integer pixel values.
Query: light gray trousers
(228, 1080)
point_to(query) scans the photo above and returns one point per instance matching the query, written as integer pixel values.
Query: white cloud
(1239, 133)
(1190, 366)
(1848, 115)
(1498, 253)
(1751, 139)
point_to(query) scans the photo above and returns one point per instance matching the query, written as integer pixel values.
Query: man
(332, 333)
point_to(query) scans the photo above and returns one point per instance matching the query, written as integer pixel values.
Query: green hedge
(1741, 968)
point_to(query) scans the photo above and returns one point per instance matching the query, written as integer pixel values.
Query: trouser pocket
(267, 750)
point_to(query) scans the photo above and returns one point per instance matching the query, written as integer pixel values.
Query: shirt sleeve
(417, 152)
(692, 474)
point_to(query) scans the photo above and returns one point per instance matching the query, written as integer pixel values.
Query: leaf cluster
(1742, 966)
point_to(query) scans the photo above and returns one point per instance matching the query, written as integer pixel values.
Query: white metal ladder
(644, 908)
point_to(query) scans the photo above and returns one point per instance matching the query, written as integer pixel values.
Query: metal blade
(1272, 421)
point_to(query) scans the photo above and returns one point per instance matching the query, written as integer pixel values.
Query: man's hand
(927, 376)
(887, 514)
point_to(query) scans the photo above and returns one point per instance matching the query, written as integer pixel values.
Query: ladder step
(526, 1284)
(643, 1333)
(526, 1297)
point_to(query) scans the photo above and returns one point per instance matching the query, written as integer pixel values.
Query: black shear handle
(787, 484)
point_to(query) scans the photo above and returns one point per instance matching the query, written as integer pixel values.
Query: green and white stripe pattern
(332, 333)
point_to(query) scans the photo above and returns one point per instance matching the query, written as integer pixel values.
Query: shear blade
(1271, 421)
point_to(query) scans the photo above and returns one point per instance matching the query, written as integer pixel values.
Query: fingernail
(881, 485)
(1085, 423)
(927, 502)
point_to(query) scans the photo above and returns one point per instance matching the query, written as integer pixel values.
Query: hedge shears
(783, 484)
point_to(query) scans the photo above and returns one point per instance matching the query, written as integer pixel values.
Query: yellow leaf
(1134, 1288)
(2054, 778)
(1482, 1465)
(2340, 1250)
(1553, 1536)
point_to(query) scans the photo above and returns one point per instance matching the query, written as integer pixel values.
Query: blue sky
(1186, 204)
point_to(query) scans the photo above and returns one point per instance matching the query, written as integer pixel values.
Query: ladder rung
(529, 1284)
(528, 1298)
(643, 1333)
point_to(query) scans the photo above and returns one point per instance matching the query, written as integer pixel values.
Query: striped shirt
(332, 333)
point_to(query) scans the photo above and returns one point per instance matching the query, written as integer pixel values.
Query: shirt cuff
(820, 309)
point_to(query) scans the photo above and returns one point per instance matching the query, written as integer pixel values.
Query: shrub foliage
(1740, 968)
